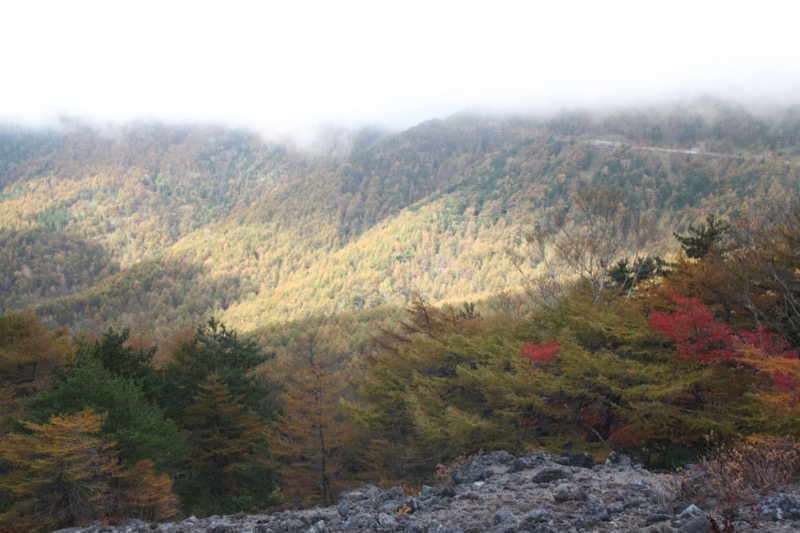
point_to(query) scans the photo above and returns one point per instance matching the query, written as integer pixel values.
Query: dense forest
(196, 321)
(157, 227)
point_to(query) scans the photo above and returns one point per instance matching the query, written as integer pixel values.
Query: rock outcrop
(500, 493)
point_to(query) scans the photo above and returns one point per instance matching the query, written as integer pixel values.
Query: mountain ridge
(225, 223)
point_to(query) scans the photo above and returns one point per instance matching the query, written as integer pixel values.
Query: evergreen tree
(137, 425)
(228, 460)
(215, 349)
(120, 359)
(704, 238)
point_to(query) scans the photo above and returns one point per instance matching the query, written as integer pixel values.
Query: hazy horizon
(291, 70)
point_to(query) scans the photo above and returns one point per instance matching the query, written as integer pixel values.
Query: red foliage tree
(784, 380)
(769, 343)
(772, 355)
(538, 355)
(699, 337)
(627, 436)
(695, 332)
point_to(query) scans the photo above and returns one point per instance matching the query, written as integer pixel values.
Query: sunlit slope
(158, 225)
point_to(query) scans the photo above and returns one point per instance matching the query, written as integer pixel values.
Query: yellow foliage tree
(63, 473)
(781, 387)
(29, 357)
(58, 474)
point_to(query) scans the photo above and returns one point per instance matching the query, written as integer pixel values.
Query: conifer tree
(30, 357)
(60, 473)
(704, 238)
(137, 425)
(144, 494)
(216, 349)
(312, 436)
(228, 458)
(121, 359)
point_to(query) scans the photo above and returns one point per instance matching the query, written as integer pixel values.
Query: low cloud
(293, 68)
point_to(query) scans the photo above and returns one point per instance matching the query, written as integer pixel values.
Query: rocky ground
(500, 493)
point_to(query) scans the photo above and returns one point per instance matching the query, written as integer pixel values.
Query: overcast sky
(290, 66)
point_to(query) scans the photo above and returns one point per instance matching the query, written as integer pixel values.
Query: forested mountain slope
(157, 227)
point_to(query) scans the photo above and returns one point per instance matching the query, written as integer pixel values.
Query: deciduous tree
(61, 472)
(144, 494)
(313, 436)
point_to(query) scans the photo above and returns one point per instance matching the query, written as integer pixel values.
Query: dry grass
(736, 475)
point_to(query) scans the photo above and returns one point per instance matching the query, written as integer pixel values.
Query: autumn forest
(197, 321)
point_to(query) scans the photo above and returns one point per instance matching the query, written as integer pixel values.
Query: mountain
(157, 227)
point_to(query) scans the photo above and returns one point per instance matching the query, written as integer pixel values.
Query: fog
(290, 68)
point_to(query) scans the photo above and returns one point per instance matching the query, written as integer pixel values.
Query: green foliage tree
(704, 238)
(626, 275)
(214, 388)
(121, 359)
(215, 349)
(137, 425)
(229, 462)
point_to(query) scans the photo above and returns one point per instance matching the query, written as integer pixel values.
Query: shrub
(734, 475)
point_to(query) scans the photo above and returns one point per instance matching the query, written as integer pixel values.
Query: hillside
(579, 342)
(156, 227)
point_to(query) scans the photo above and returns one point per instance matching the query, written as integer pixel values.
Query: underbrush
(733, 477)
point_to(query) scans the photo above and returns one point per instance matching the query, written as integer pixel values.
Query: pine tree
(228, 458)
(120, 359)
(138, 426)
(216, 349)
(703, 239)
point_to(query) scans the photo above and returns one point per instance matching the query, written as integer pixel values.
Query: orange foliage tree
(312, 436)
(30, 356)
(144, 494)
(63, 473)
